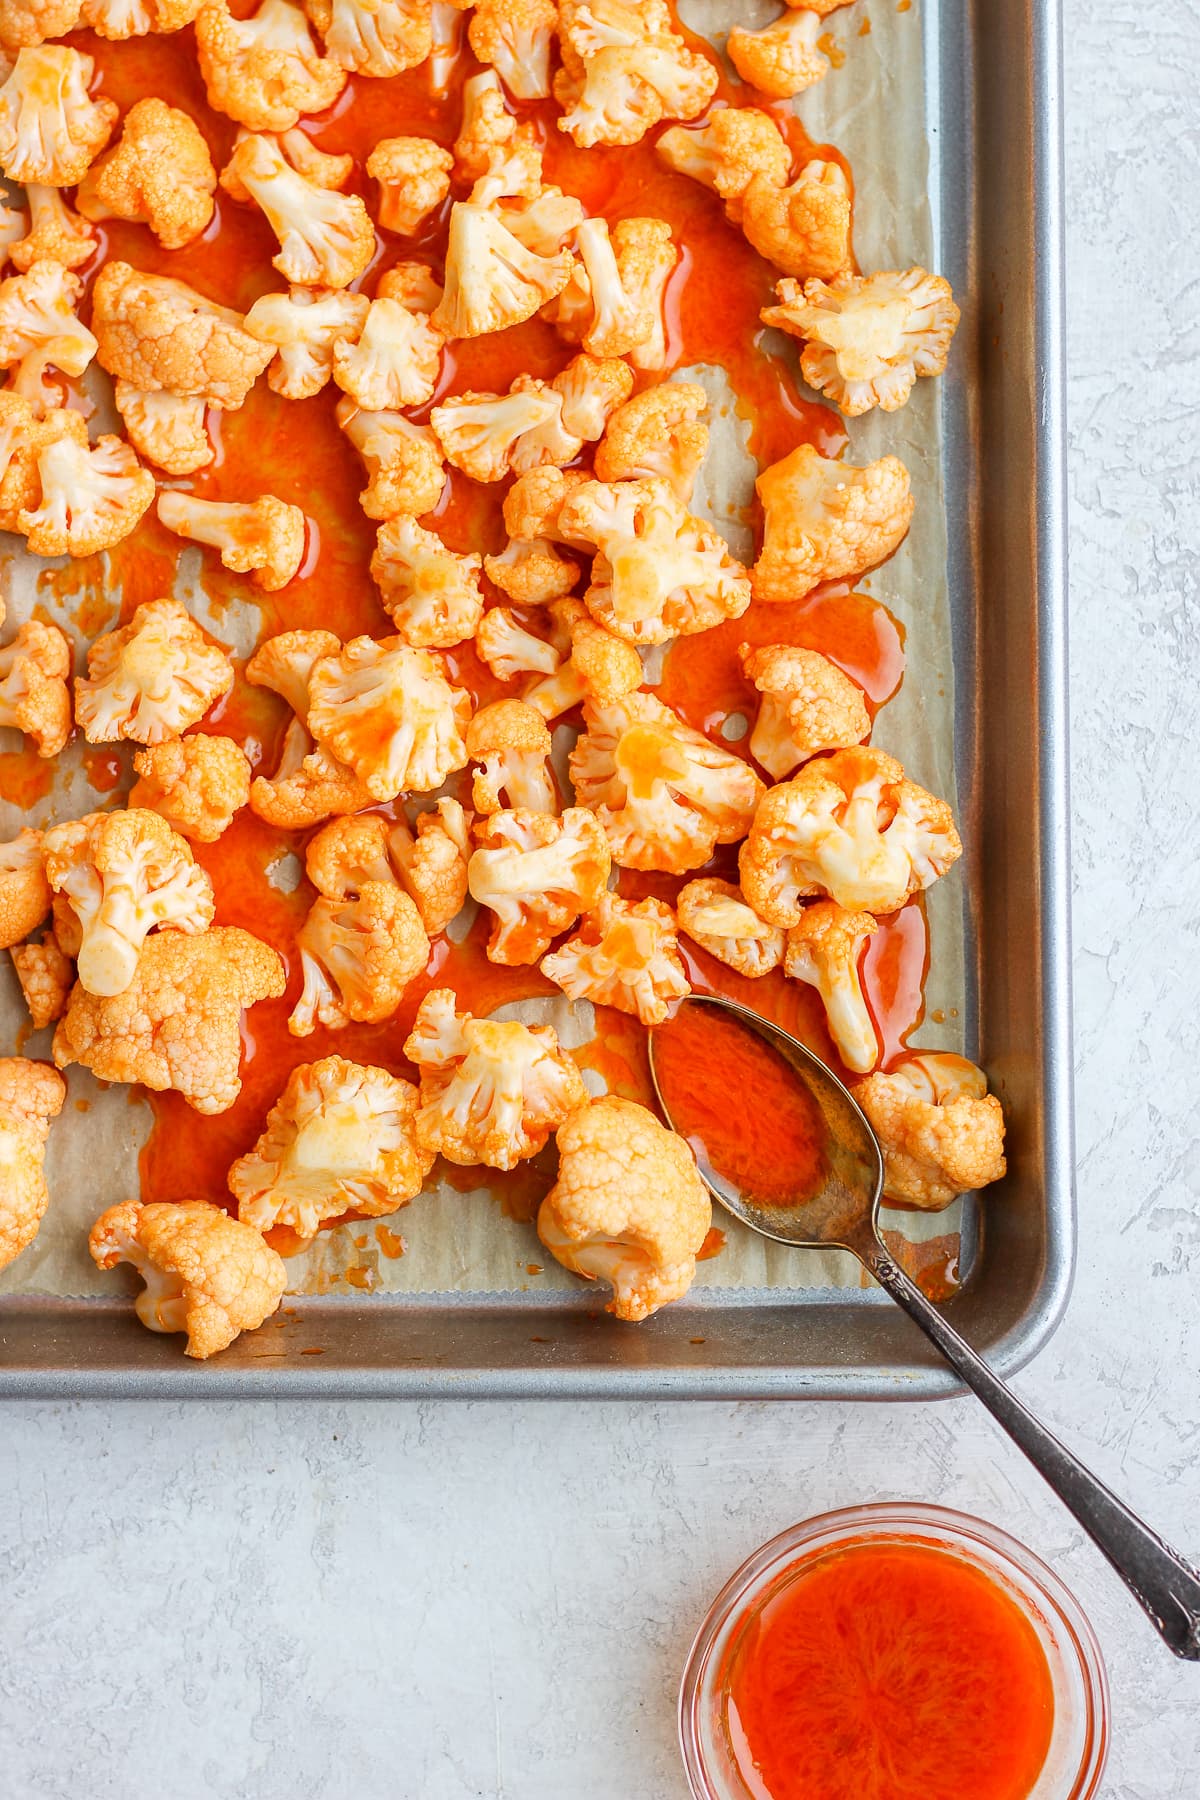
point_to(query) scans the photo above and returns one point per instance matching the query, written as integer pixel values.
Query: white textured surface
(351, 1602)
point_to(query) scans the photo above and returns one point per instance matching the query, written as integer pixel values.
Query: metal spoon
(845, 1214)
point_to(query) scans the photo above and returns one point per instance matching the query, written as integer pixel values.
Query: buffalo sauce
(887, 1671)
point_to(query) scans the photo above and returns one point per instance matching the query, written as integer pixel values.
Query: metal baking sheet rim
(777, 1349)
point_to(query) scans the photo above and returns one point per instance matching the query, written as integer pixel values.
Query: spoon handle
(1166, 1587)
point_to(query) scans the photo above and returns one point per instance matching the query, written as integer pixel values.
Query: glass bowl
(1078, 1750)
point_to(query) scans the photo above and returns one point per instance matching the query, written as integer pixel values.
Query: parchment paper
(871, 108)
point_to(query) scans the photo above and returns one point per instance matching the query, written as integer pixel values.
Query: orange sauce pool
(888, 1671)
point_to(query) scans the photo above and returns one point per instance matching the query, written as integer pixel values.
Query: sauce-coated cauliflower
(50, 128)
(124, 874)
(491, 1092)
(326, 239)
(304, 327)
(537, 874)
(532, 569)
(942, 1133)
(515, 37)
(488, 134)
(39, 328)
(868, 337)
(155, 332)
(511, 744)
(265, 70)
(374, 37)
(432, 861)
(503, 643)
(492, 280)
(34, 697)
(47, 975)
(717, 917)
(612, 304)
(55, 234)
(396, 357)
(430, 592)
(403, 461)
(24, 434)
(783, 58)
(824, 520)
(357, 957)
(152, 678)
(851, 826)
(624, 955)
(31, 1094)
(737, 144)
(204, 1273)
(414, 178)
(803, 228)
(309, 784)
(159, 173)
(179, 1022)
(660, 432)
(665, 794)
(264, 537)
(195, 783)
(824, 950)
(658, 572)
(624, 69)
(30, 22)
(137, 18)
(807, 705)
(340, 1138)
(165, 429)
(628, 1208)
(24, 890)
(595, 664)
(388, 712)
(92, 497)
(537, 423)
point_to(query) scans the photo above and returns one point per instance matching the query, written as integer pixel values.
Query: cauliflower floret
(537, 874)
(868, 337)
(715, 915)
(941, 1132)
(624, 955)
(264, 71)
(492, 280)
(532, 571)
(542, 218)
(488, 133)
(738, 143)
(807, 705)
(535, 500)
(137, 18)
(510, 742)
(31, 22)
(658, 572)
(309, 784)
(374, 37)
(516, 36)
(783, 58)
(14, 226)
(196, 784)
(430, 592)
(50, 127)
(598, 665)
(403, 460)
(326, 239)
(824, 520)
(612, 304)
(56, 234)
(503, 643)
(155, 332)
(303, 327)
(660, 432)
(804, 229)
(489, 435)
(23, 437)
(389, 713)
(446, 30)
(179, 1022)
(159, 173)
(24, 890)
(414, 178)
(34, 697)
(396, 358)
(166, 430)
(31, 1094)
(152, 678)
(432, 863)
(204, 1273)
(39, 328)
(851, 826)
(346, 853)
(665, 795)
(357, 957)
(340, 1138)
(491, 1092)
(46, 975)
(824, 950)
(263, 536)
(624, 69)
(628, 1208)
(125, 874)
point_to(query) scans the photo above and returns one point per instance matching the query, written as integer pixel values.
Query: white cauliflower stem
(823, 949)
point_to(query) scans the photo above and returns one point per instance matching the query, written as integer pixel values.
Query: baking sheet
(461, 1243)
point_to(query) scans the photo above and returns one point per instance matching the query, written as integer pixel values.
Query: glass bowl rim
(997, 1546)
